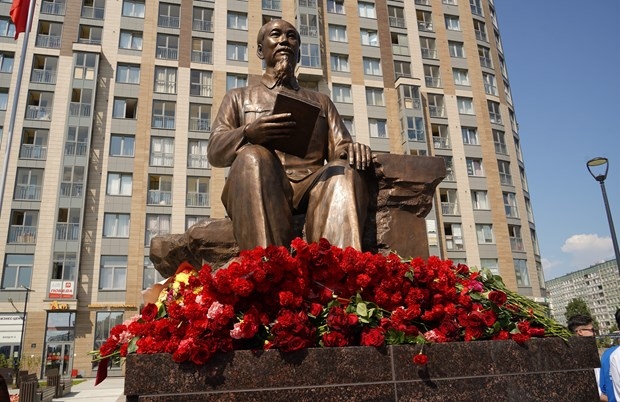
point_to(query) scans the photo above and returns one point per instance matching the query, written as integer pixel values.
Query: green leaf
(133, 345)
(361, 310)
(409, 275)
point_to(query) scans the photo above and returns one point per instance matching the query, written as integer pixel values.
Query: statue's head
(278, 40)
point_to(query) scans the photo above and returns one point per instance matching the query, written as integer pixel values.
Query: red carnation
(498, 297)
(420, 359)
(149, 312)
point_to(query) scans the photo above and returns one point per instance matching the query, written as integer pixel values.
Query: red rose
(520, 338)
(538, 332)
(420, 359)
(502, 335)
(372, 337)
(149, 312)
(334, 339)
(316, 309)
(498, 297)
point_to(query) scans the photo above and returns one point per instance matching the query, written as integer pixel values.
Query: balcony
(450, 208)
(425, 26)
(397, 22)
(77, 109)
(27, 192)
(436, 111)
(163, 122)
(412, 103)
(43, 76)
(68, 231)
(50, 42)
(167, 21)
(31, 151)
(197, 199)
(95, 13)
(441, 143)
(158, 197)
(197, 162)
(433, 82)
(38, 112)
(310, 31)
(90, 41)
(516, 244)
(76, 148)
(400, 50)
(272, 5)
(200, 90)
(202, 25)
(416, 135)
(505, 179)
(203, 125)
(23, 234)
(205, 57)
(50, 7)
(167, 53)
(429, 53)
(71, 189)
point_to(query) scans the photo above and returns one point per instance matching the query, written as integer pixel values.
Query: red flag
(19, 15)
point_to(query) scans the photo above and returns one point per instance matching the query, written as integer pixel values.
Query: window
(366, 10)
(105, 321)
(4, 98)
(474, 167)
(7, 29)
(348, 123)
(490, 85)
(450, 2)
(165, 80)
(68, 224)
(49, 34)
(510, 204)
(17, 271)
(150, 275)
(372, 66)
(160, 190)
(454, 237)
(198, 192)
(44, 69)
(484, 232)
(400, 44)
(523, 278)
(441, 136)
(191, 220)
(476, 7)
(452, 22)
(199, 117)
(429, 48)
(500, 142)
(528, 208)
(516, 241)
(131, 40)
(89, 34)
(237, 51)
(116, 225)
(342, 93)
(485, 56)
(335, 6)
(436, 106)
(163, 115)
(396, 17)
(133, 8)
(6, 62)
(461, 76)
(169, 15)
(339, 62)
(480, 199)
(203, 19)
(409, 96)
(369, 37)
(122, 145)
(128, 73)
(337, 33)
(523, 179)
(167, 47)
(374, 97)
(465, 105)
(535, 242)
(125, 108)
(64, 266)
(505, 177)
(415, 129)
(93, 9)
(272, 5)
(156, 225)
(470, 135)
(201, 83)
(236, 81)
(119, 184)
(449, 168)
(494, 114)
(456, 49)
(237, 20)
(162, 151)
(425, 21)
(310, 55)
(23, 227)
(402, 69)
(113, 273)
(72, 184)
(28, 184)
(378, 128)
(197, 154)
(308, 24)
(491, 264)
(431, 76)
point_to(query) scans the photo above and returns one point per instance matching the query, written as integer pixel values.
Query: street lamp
(598, 168)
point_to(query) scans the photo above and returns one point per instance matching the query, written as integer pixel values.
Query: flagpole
(18, 84)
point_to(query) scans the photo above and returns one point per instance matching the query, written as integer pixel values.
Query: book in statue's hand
(305, 114)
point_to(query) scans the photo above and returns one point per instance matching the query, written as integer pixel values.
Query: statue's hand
(359, 155)
(268, 128)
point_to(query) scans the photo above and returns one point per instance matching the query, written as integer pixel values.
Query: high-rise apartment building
(598, 286)
(113, 125)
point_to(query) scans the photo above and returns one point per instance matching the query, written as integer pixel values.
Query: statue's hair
(263, 30)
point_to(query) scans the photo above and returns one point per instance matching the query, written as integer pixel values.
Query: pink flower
(215, 310)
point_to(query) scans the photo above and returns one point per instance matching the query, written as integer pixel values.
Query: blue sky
(563, 60)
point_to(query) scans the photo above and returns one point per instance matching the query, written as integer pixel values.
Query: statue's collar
(270, 82)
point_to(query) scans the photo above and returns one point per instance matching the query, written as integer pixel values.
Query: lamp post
(598, 168)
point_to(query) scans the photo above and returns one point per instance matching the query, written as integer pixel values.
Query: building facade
(113, 122)
(598, 286)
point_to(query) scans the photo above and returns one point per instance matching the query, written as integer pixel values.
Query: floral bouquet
(319, 295)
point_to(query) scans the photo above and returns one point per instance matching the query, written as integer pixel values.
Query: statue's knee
(254, 155)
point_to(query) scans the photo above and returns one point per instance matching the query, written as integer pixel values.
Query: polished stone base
(542, 370)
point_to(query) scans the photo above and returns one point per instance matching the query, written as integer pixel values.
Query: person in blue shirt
(610, 371)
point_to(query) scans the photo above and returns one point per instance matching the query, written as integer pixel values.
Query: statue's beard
(284, 70)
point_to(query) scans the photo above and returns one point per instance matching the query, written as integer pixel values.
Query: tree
(577, 307)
